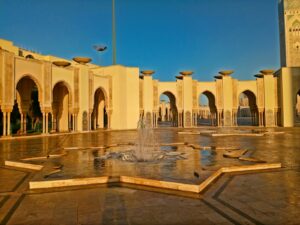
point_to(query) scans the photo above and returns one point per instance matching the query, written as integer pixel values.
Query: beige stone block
(23, 165)
(160, 184)
(251, 167)
(68, 182)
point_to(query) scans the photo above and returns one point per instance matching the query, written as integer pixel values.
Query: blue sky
(168, 36)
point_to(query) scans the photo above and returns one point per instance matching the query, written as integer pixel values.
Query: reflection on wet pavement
(87, 162)
(260, 198)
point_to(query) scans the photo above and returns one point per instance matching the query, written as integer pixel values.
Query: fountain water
(146, 147)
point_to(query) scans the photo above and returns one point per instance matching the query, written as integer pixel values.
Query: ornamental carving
(155, 94)
(294, 44)
(179, 91)
(188, 119)
(195, 97)
(269, 118)
(291, 4)
(76, 89)
(235, 99)
(85, 122)
(260, 93)
(219, 94)
(227, 118)
(47, 81)
(91, 90)
(8, 78)
(110, 102)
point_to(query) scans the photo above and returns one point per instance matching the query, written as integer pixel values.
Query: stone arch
(208, 116)
(26, 115)
(168, 93)
(29, 56)
(68, 86)
(99, 115)
(61, 106)
(104, 93)
(37, 83)
(247, 108)
(172, 115)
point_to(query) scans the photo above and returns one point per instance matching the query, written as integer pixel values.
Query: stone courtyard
(268, 197)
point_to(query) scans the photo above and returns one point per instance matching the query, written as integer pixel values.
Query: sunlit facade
(48, 94)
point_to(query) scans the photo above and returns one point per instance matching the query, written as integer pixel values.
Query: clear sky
(168, 36)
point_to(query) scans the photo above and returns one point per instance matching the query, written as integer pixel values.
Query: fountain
(145, 149)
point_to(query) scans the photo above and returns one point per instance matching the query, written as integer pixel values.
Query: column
(90, 121)
(44, 126)
(179, 119)
(8, 123)
(47, 127)
(260, 118)
(276, 117)
(4, 123)
(109, 119)
(70, 125)
(219, 118)
(25, 123)
(53, 122)
(75, 122)
(95, 122)
(21, 123)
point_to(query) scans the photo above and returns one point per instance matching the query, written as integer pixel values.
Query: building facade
(51, 94)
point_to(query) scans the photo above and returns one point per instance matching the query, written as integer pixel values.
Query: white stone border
(150, 182)
(23, 165)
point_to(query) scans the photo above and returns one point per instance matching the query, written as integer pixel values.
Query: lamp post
(114, 34)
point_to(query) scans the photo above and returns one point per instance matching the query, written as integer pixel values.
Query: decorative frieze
(188, 119)
(219, 94)
(47, 80)
(269, 118)
(91, 91)
(179, 93)
(235, 97)
(110, 92)
(260, 93)
(155, 94)
(195, 97)
(85, 122)
(8, 79)
(76, 90)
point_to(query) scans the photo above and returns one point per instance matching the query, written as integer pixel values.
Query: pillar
(219, 118)
(24, 123)
(90, 121)
(44, 125)
(261, 118)
(109, 112)
(54, 129)
(4, 123)
(8, 124)
(74, 121)
(47, 123)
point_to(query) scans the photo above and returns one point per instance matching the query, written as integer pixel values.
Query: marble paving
(269, 197)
